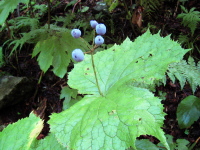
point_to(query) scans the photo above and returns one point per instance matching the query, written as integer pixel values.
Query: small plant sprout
(100, 29)
(93, 23)
(76, 33)
(98, 40)
(78, 55)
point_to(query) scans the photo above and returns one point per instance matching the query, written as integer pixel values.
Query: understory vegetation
(132, 84)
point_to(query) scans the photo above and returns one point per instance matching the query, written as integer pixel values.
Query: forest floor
(47, 98)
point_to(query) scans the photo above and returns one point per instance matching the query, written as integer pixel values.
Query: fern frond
(185, 71)
(198, 65)
(7, 6)
(68, 20)
(151, 7)
(190, 18)
(40, 9)
(186, 41)
(112, 4)
(33, 23)
(183, 38)
(35, 35)
(30, 37)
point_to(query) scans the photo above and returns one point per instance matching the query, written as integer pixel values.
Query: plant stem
(194, 144)
(85, 43)
(49, 16)
(9, 32)
(38, 84)
(95, 74)
(18, 10)
(40, 78)
(75, 6)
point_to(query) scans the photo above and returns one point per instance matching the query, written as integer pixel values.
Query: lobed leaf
(110, 122)
(56, 50)
(125, 111)
(145, 60)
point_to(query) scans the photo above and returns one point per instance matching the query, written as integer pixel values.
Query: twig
(75, 6)
(176, 9)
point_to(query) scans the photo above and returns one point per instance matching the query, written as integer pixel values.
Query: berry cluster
(100, 28)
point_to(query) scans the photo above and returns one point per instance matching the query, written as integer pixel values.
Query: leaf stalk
(95, 74)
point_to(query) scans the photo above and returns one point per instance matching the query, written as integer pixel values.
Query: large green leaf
(7, 6)
(188, 111)
(110, 122)
(56, 51)
(125, 111)
(144, 60)
(22, 134)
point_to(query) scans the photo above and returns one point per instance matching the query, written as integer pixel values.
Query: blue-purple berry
(76, 33)
(93, 23)
(99, 40)
(78, 55)
(100, 29)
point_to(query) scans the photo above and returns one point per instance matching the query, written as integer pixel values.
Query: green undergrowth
(8, 6)
(190, 18)
(52, 46)
(127, 108)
